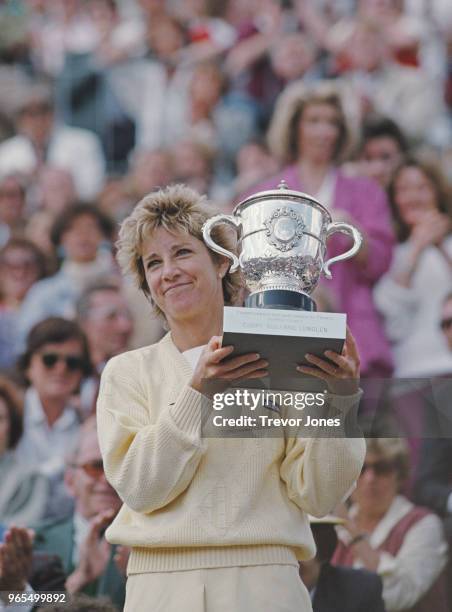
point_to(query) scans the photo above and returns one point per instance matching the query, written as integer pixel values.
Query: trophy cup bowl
(282, 239)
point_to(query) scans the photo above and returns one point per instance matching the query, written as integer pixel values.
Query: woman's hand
(341, 376)
(213, 367)
(94, 553)
(431, 231)
(359, 541)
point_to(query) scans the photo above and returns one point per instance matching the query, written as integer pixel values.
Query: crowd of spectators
(103, 101)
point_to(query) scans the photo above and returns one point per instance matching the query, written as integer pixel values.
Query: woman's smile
(177, 286)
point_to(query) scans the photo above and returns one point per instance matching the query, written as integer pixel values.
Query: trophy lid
(282, 192)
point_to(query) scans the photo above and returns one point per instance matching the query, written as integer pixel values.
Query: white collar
(35, 415)
(325, 193)
(397, 510)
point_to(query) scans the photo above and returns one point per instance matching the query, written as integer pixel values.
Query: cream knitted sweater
(192, 502)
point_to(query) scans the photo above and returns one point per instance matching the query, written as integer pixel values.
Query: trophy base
(281, 298)
(283, 337)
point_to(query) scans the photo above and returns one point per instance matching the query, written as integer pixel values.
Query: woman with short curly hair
(180, 209)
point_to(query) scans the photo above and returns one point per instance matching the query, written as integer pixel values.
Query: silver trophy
(283, 237)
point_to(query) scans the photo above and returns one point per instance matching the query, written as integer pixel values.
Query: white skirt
(256, 588)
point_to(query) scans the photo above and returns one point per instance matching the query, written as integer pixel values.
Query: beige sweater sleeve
(148, 461)
(319, 471)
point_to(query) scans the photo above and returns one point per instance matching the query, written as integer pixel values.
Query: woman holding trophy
(218, 523)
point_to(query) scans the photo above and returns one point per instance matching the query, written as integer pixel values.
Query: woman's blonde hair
(175, 208)
(394, 450)
(283, 131)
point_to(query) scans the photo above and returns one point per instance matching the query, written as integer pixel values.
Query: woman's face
(82, 239)
(18, 272)
(414, 196)
(4, 426)
(183, 279)
(55, 370)
(318, 132)
(377, 485)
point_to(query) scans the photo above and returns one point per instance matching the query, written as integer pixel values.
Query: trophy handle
(349, 230)
(207, 228)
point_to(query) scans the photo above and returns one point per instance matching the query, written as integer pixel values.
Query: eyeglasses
(446, 324)
(93, 469)
(73, 362)
(379, 468)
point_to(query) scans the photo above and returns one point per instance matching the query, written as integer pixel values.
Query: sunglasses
(94, 469)
(379, 468)
(446, 324)
(73, 362)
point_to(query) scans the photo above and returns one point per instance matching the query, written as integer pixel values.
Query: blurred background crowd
(103, 101)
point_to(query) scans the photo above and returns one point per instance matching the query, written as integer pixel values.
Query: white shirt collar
(397, 510)
(35, 414)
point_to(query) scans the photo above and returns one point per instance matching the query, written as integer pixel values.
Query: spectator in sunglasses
(54, 363)
(88, 560)
(387, 534)
(23, 491)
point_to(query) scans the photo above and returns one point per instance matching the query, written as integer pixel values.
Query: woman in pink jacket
(308, 133)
